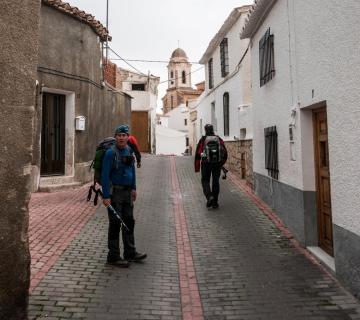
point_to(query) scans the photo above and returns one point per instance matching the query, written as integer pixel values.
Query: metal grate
(224, 57)
(271, 152)
(266, 58)
(211, 75)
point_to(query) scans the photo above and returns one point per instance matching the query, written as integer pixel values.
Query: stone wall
(240, 160)
(18, 59)
(69, 56)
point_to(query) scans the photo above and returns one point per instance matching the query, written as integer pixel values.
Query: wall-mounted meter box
(80, 123)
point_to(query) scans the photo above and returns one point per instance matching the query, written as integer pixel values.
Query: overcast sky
(151, 29)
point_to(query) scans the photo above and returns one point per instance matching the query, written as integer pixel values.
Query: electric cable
(121, 58)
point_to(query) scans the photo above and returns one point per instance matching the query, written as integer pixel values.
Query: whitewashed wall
(316, 64)
(238, 87)
(328, 60)
(169, 141)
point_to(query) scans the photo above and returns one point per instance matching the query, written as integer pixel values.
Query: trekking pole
(110, 207)
(225, 171)
(117, 216)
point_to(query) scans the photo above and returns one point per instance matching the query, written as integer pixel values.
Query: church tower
(179, 70)
(179, 81)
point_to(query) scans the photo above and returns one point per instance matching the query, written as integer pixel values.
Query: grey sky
(150, 29)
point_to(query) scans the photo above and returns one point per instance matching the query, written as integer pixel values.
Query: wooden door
(325, 229)
(53, 134)
(140, 129)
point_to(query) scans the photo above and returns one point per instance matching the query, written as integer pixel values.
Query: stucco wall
(69, 60)
(238, 87)
(18, 59)
(328, 68)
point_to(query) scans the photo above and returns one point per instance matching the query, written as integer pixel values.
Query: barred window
(224, 57)
(211, 75)
(226, 113)
(271, 152)
(266, 58)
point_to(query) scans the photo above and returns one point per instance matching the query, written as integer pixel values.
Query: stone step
(56, 180)
(59, 186)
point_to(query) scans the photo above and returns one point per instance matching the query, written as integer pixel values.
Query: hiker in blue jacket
(118, 180)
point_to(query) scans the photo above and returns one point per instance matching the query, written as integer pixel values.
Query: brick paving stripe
(190, 297)
(55, 219)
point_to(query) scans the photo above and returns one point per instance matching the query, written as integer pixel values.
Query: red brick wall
(110, 73)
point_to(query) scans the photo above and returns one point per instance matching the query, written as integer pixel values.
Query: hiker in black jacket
(210, 156)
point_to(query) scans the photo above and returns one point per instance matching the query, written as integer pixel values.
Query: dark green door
(53, 134)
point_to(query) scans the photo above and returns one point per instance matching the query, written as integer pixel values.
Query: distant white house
(169, 141)
(177, 120)
(305, 88)
(226, 101)
(143, 89)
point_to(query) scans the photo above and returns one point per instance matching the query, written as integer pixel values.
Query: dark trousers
(122, 203)
(210, 170)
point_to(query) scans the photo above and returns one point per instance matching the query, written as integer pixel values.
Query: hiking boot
(121, 263)
(209, 202)
(137, 257)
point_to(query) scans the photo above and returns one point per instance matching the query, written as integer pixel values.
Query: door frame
(316, 111)
(69, 128)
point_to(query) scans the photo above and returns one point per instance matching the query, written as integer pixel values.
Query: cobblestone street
(230, 263)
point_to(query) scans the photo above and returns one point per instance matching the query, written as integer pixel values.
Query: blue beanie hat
(124, 128)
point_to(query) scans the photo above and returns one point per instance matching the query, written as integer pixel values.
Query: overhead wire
(121, 58)
(137, 70)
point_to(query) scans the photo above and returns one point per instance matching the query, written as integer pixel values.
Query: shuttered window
(211, 75)
(271, 152)
(224, 57)
(266, 58)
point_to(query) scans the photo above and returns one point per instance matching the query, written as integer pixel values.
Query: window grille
(211, 75)
(226, 113)
(271, 152)
(224, 57)
(266, 58)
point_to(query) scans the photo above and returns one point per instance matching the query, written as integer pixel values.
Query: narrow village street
(235, 262)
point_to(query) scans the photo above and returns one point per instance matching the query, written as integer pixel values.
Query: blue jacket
(114, 172)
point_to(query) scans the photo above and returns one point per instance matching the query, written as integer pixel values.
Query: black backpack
(213, 150)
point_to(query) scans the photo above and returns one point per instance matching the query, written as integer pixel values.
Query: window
(138, 87)
(171, 77)
(266, 58)
(185, 122)
(211, 76)
(172, 102)
(226, 113)
(183, 76)
(187, 141)
(224, 57)
(271, 152)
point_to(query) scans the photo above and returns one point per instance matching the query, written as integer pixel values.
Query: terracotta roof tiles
(80, 15)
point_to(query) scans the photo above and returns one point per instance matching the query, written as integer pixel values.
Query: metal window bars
(271, 152)
(224, 57)
(266, 58)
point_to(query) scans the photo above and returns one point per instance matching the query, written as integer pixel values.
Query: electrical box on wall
(80, 123)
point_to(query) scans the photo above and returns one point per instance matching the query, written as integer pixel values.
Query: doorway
(53, 134)
(325, 228)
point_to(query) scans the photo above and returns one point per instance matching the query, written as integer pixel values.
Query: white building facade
(226, 102)
(305, 90)
(178, 122)
(144, 91)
